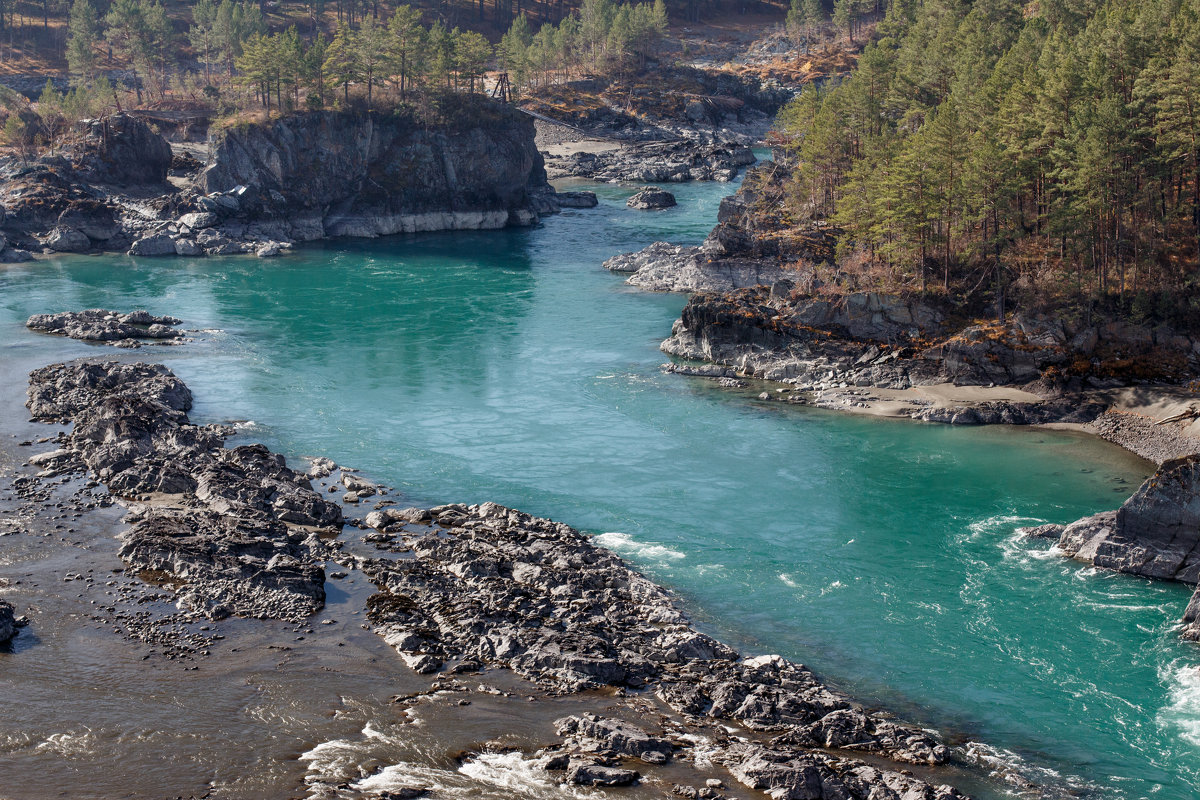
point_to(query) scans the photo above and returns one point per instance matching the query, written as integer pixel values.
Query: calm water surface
(509, 366)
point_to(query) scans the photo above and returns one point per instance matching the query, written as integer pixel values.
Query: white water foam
(70, 744)
(407, 775)
(788, 580)
(1182, 712)
(520, 775)
(625, 544)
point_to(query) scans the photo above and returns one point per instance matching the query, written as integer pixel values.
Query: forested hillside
(1045, 151)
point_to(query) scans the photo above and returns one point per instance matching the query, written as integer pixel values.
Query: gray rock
(1047, 531)
(68, 240)
(577, 199)
(156, 244)
(360, 486)
(599, 775)
(651, 198)
(196, 220)
(268, 250)
(613, 737)
(110, 327)
(188, 247)
(15, 255)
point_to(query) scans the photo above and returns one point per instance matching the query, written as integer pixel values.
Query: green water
(509, 366)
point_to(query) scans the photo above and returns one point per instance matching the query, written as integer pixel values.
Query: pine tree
(341, 60)
(82, 33)
(202, 34)
(405, 40)
(372, 52)
(471, 55)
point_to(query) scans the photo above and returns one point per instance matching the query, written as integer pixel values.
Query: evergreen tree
(341, 60)
(202, 34)
(406, 38)
(82, 33)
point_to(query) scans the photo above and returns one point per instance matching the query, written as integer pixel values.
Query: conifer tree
(82, 33)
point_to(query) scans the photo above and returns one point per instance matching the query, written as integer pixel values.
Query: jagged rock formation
(1155, 533)
(655, 162)
(490, 585)
(230, 529)
(109, 327)
(75, 199)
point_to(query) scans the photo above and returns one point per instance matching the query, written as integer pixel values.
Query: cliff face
(346, 174)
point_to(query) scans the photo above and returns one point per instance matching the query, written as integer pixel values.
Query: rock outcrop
(327, 173)
(299, 178)
(664, 267)
(230, 530)
(108, 327)
(77, 198)
(1155, 533)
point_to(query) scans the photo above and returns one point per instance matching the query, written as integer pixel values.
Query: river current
(509, 366)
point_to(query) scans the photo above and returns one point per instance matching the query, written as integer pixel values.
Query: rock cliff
(349, 174)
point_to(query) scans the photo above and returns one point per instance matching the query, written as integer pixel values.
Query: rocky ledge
(465, 587)
(655, 162)
(230, 531)
(1155, 533)
(109, 327)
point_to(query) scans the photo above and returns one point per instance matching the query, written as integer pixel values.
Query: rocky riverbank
(117, 185)
(760, 316)
(465, 589)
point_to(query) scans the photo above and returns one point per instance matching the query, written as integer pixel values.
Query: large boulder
(68, 240)
(651, 198)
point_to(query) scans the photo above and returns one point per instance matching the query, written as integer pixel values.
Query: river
(509, 366)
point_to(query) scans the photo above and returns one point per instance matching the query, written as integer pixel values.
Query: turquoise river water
(509, 366)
